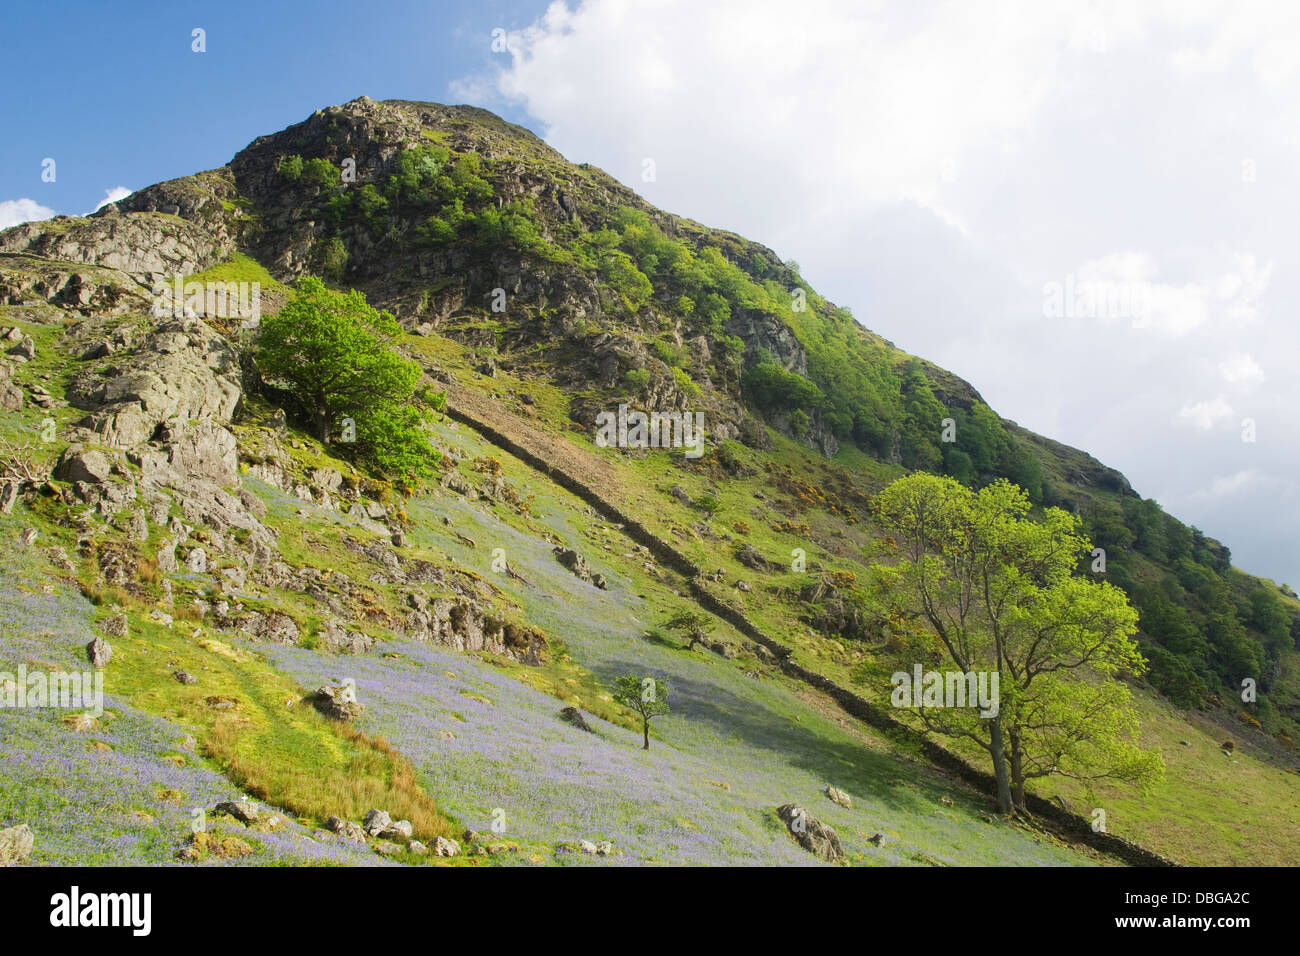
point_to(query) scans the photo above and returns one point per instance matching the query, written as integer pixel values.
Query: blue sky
(935, 165)
(115, 95)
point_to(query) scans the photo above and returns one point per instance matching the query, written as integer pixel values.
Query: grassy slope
(766, 740)
(1209, 809)
(124, 792)
(733, 749)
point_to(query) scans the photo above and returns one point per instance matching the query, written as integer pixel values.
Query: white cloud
(113, 195)
(933, 166)
(1241, 369)
(15, 211)
(1205, 415)
(832, 106)
(1232, 483)
(1124, 286)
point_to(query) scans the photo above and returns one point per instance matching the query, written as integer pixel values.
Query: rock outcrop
(813, 835)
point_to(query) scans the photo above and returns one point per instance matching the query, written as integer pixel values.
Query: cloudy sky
(1080, 207)
(1086, 209)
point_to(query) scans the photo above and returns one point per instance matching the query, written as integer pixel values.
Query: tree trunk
(1017, 773)
(1000, 765)
(322, 425)
(645, 729)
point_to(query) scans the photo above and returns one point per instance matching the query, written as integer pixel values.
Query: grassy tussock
(370, 774)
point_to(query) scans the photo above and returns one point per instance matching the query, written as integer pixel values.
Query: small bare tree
(19, 467)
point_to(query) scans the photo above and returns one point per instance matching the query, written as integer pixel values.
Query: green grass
(1196, 815)
(240, 268)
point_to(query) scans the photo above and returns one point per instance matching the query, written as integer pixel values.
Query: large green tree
(334, 353)
(996, 592)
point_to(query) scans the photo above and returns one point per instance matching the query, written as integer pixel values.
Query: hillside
(161, 495)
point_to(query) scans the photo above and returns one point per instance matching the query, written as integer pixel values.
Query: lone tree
(694, 625)
(334, 354)
(998, 593)
(647, 696)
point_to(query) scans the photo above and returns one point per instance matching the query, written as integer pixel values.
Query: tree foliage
(996, 592)
(334, 354)
(648, 696)
(694, 625)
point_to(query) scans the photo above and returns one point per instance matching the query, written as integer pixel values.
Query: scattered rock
(334, 637)
(400, 830)
(100, 349)
(445, 847)
(586, 846)
(839, 796)
(338, 702)
(184, 677)
(252, 504)
(376, 822)
(25, 350)
(577, 564)
(166, 558)
(327, 479)
(813, 835)
(386, 848)
(574, 716)
(242, 810)
(418, 848)
(100, 652)
(876, 839)
(751, 557)
(347, 829)
(81, 722)
(16, 844)
(278, 627)
(196, 562)
(78, 463)
(59, 558)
